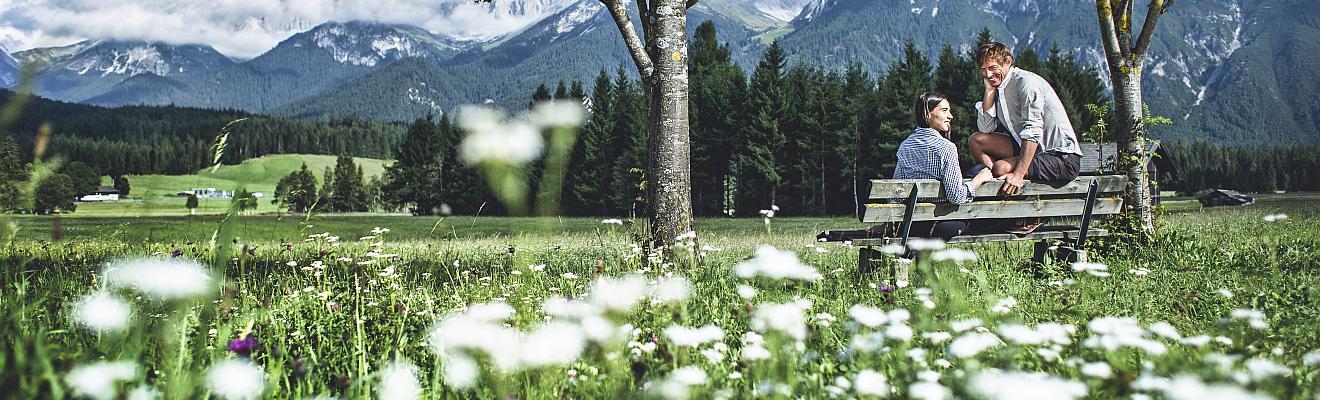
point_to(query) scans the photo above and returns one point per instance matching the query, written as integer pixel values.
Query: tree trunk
(669, 164)
(1129, 129)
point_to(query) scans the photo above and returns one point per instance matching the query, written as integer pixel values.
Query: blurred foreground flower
(489, 139)
(97, 380)
(398, 381)
(871, 383)
(680, 381)
(958, 256)
(103, 312)
(1188, 387)
(1113, 333)
(773, 263)
(693, 337)
(1095, 269)
(786, 318)
(236, 379)
(1021, 385)
(163, 279)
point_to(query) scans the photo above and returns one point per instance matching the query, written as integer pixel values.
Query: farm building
(102, 193)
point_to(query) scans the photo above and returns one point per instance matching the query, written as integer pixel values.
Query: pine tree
(858, 133)
(1077, 86)
(758, 171)
(542, 93)
(463, 189)
(1029, 60)
(627, 144)
(906, 81)
(793, 157)
(576, 92)
(415, 181)
(13, 175)
(561, 91)
(957, 77)
(326, 195)
(121, 184)
(715, 101)
(590, 166)
(296, 192)
(350, 191)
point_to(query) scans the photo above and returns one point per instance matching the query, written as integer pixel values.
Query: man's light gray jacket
(1029, 108)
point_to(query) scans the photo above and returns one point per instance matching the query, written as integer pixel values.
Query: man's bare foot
(1027, 226)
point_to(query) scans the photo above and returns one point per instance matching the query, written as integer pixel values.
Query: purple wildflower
(244, 346)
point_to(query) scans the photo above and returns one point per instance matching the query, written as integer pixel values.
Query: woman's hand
(981, 178)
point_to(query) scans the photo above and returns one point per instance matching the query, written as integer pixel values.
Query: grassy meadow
(256, 174)
(1225, 304)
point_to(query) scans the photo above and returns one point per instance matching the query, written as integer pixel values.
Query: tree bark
(1126, 60)
(1130, 131)
(669, 164)
(661, 59)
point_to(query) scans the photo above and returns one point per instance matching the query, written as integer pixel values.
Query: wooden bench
(904, 201)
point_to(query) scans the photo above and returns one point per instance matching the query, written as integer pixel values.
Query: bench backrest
(1036, 199)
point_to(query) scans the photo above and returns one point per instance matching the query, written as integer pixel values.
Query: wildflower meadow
(1222, 305)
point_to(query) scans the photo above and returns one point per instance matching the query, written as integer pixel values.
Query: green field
(334, 318)
(257, 175)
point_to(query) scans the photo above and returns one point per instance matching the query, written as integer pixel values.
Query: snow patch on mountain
(579, 14)
(131, 61)
(466, 20)
(416, 96)
(781, 10)
(369, 48)
(814, 9)
(1216, 49)
(1158, 69)
(53, 55)
(8, 69)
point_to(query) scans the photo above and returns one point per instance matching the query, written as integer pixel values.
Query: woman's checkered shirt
(927, 155)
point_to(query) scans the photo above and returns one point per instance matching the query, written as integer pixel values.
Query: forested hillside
(176, 140)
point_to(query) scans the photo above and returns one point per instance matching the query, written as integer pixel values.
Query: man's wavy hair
(994, 51)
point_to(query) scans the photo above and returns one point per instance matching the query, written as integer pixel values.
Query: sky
(244, 28)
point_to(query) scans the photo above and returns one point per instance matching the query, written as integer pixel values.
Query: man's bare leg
(987, 148)
(1003, 167)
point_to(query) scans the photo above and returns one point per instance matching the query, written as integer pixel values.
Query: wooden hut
(1100, 158)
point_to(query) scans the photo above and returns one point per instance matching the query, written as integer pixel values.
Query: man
(1024, 131)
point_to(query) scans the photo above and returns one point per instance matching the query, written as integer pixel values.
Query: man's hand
(1012, 184)
(988, 99)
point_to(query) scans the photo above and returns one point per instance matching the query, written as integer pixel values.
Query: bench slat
(930, 188)
(996, 237)
(875, 213)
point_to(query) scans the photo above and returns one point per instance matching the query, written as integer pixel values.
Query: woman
(929, 154)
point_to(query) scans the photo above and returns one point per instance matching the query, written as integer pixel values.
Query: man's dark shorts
(1047, 166)
(1050, 166)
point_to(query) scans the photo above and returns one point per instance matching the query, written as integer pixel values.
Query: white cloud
(246, 28)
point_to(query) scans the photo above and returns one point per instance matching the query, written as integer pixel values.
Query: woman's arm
(957, 191)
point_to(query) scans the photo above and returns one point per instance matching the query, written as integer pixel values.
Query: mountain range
(1236, 71)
